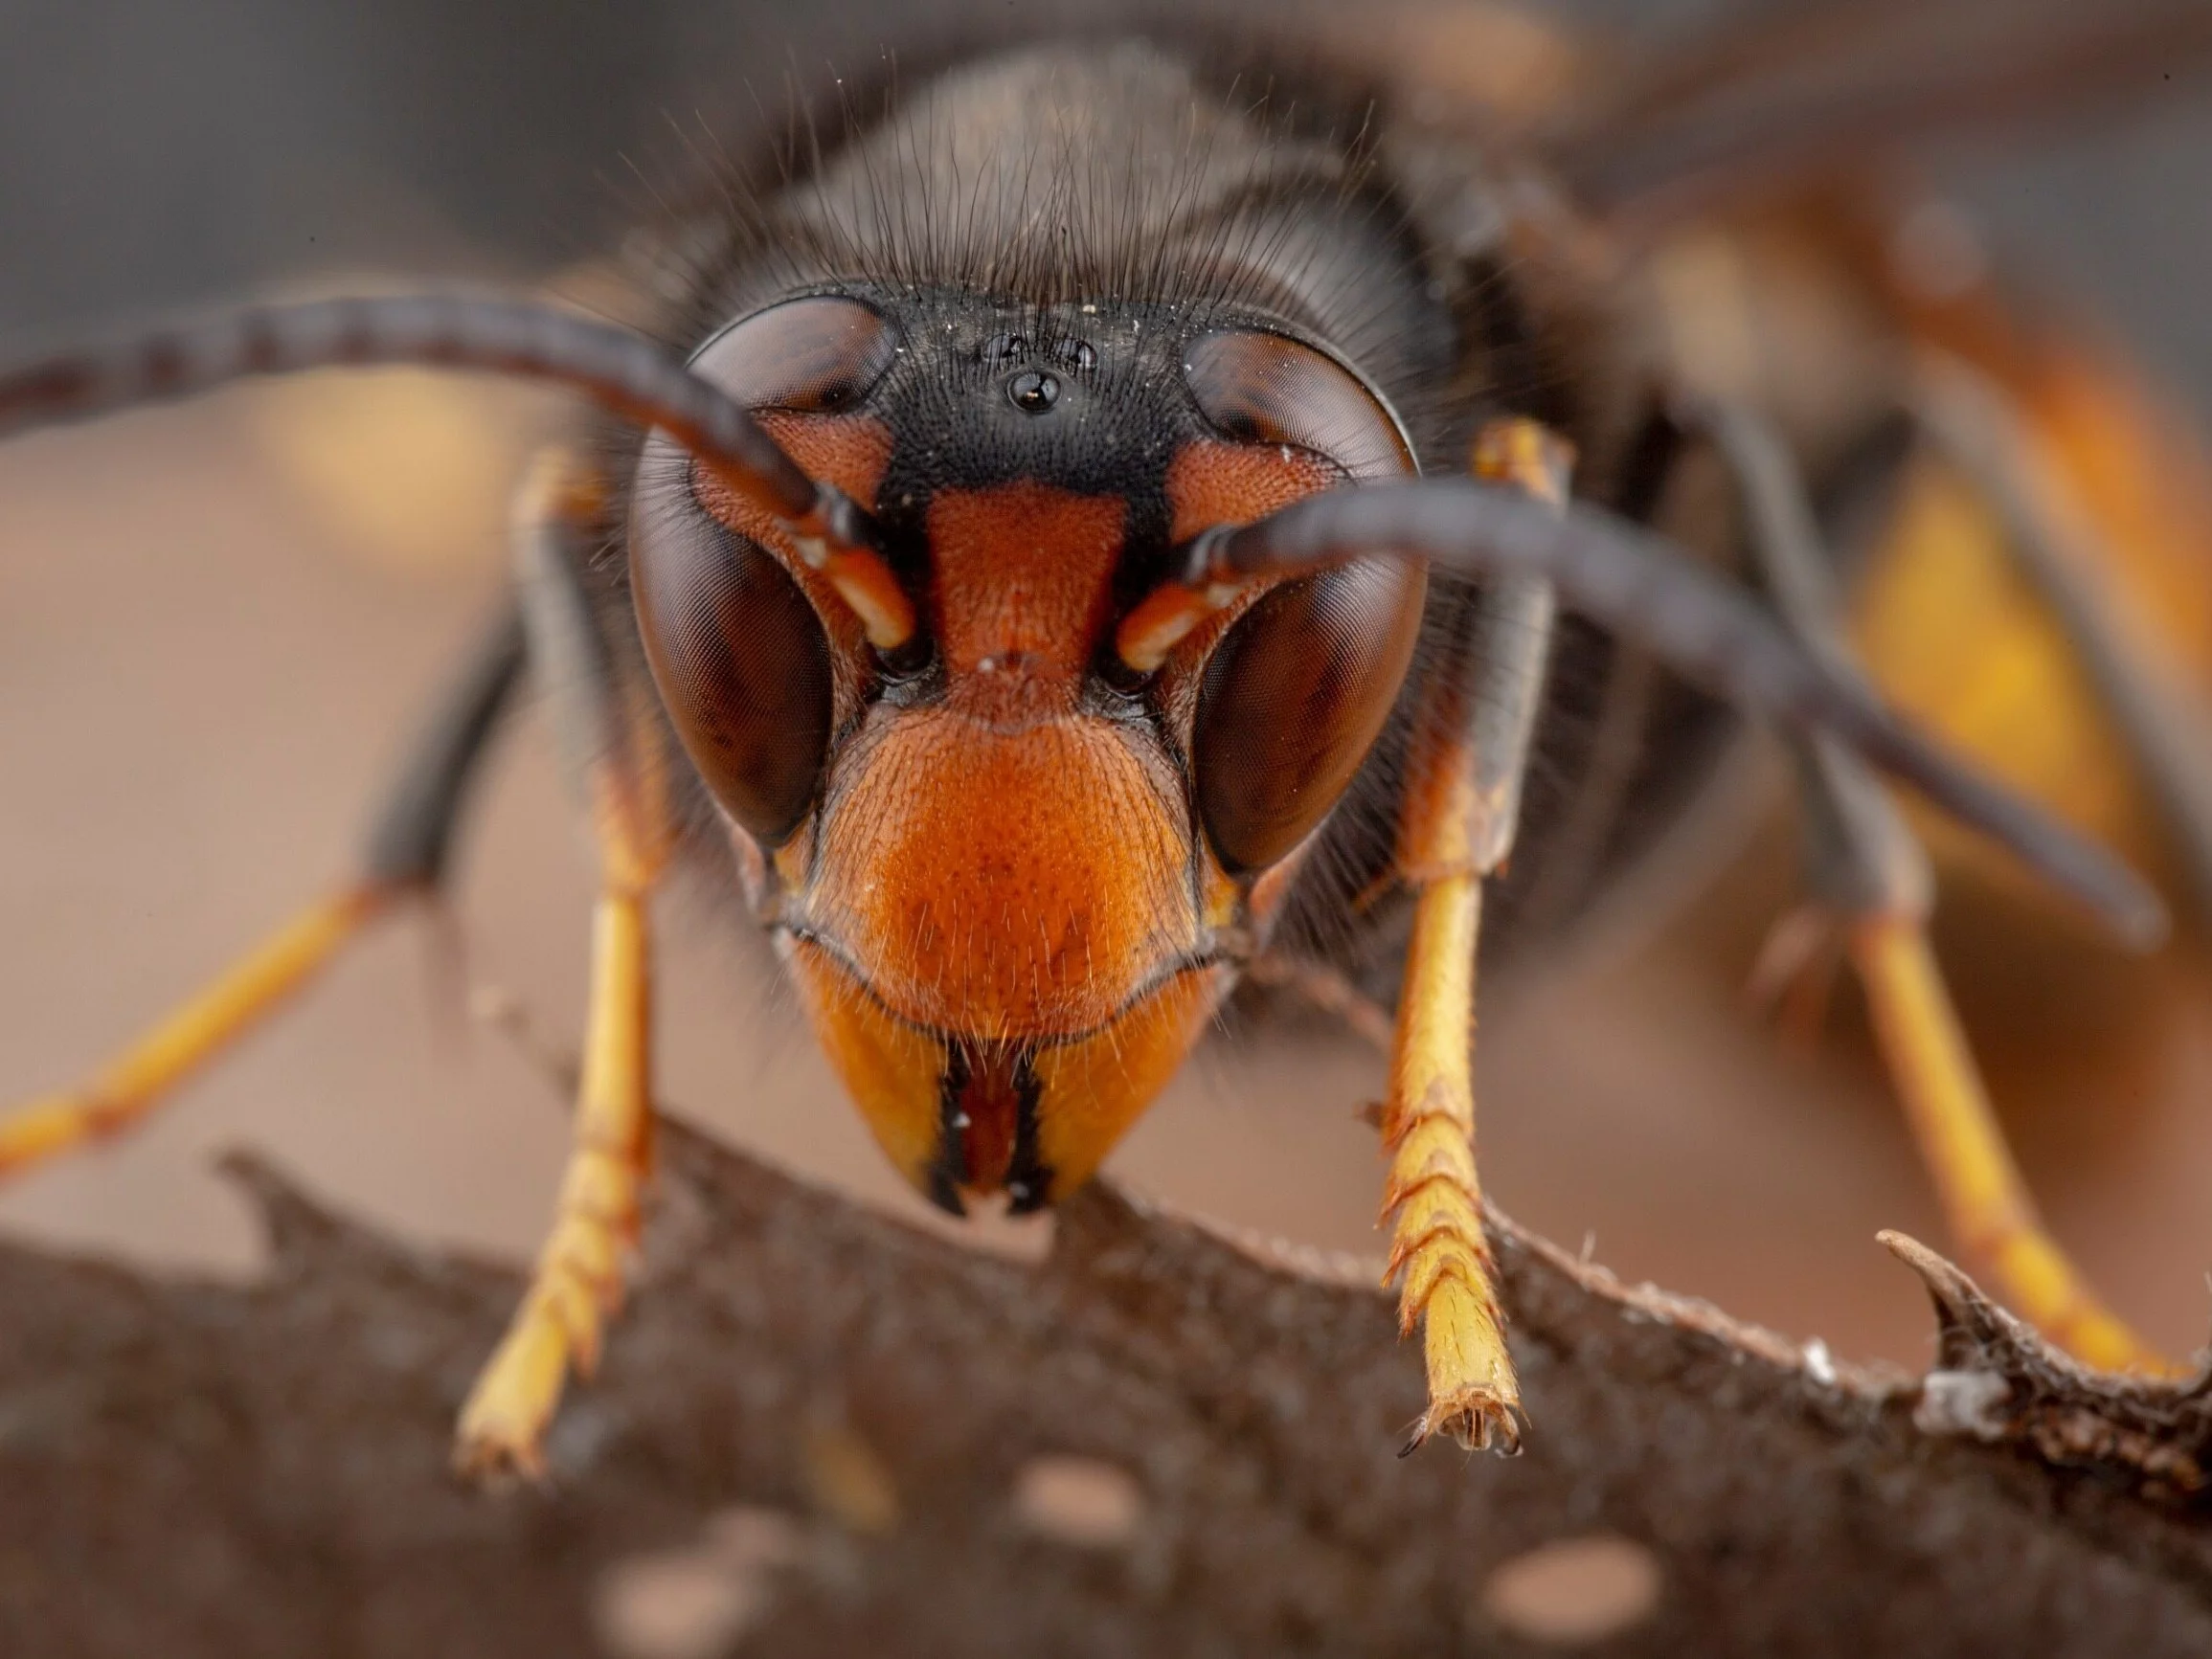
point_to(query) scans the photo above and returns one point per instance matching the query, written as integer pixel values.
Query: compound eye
(1261, 388)
(1299, 688)
(1293, 699)
(735, 648)
(739, 654)
(819, 355)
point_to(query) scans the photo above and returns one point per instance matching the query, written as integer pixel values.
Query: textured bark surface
(813, 1425)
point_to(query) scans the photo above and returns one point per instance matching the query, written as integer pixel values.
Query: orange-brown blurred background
(218, 623)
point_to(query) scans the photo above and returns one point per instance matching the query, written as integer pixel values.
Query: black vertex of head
(1087, 398)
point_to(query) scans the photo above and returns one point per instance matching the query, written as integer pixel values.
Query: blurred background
(218, 623)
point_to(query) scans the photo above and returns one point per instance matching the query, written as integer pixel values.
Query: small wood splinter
(1985, 1200)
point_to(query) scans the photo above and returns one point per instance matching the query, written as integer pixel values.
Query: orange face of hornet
(1012, 877)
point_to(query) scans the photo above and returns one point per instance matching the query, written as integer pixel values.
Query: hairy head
(1044, 339)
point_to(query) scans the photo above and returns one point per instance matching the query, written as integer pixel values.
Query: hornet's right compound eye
(739, 657)
(736, 647)
(819, 355)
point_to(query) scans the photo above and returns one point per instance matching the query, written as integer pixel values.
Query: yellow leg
(1874, 889)
(1984, 1200)
(123, 1095)
(578, 1283)
(1433, 1201)
(1461, 800)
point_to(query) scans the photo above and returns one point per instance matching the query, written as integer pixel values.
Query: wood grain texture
(200, 1469)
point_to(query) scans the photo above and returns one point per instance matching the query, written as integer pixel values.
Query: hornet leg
(1871, 881)
(406, 855)
(612, 743)
(1462, 799)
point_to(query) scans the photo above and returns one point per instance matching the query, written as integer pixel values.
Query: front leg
(615, 752)
(1462, 799)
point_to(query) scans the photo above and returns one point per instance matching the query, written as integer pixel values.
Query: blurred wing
(1785, 91)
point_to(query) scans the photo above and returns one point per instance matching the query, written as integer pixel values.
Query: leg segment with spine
(406, 854)
(1456, 827)
(615, 752)
(1871, 883)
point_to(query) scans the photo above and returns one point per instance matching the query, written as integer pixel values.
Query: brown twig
(189, 1469)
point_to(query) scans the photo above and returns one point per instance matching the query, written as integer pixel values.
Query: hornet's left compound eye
(736, 647)
(1299, 688)
(1261, 388)
(1294, 698)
